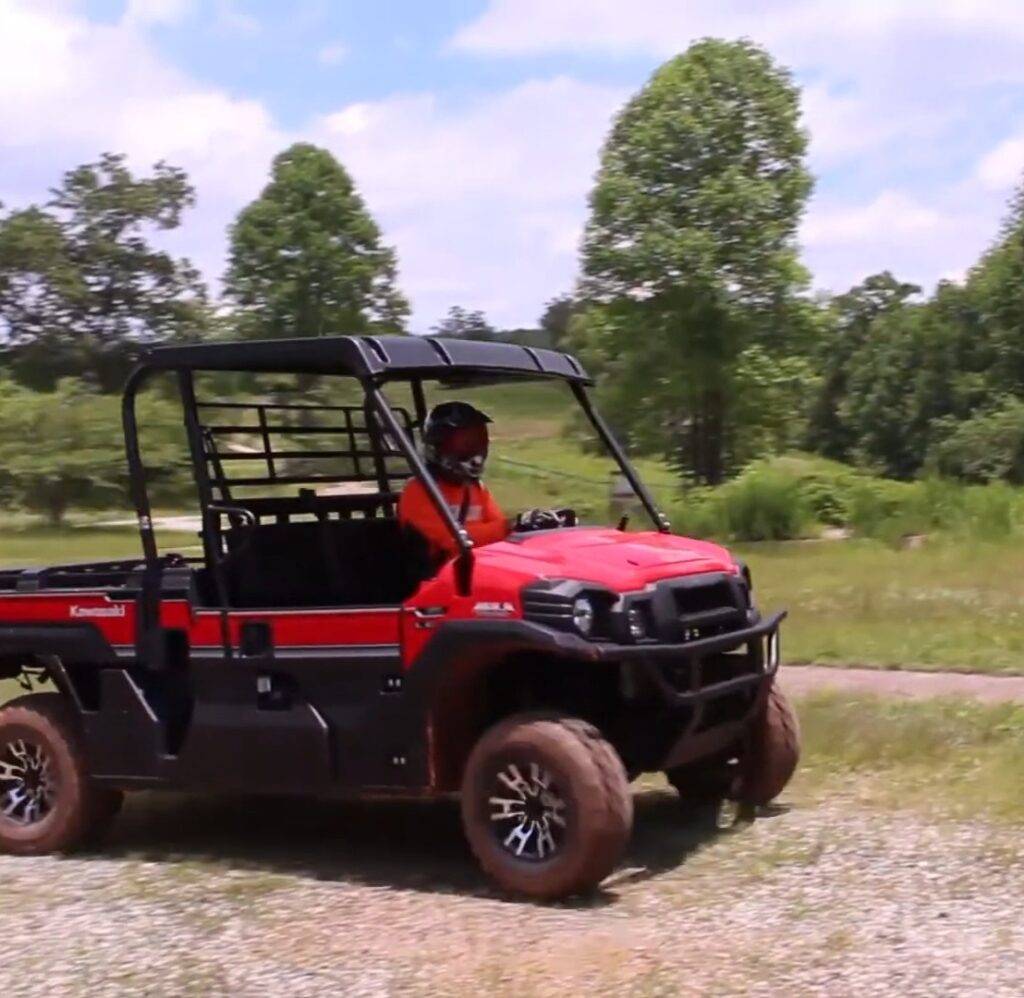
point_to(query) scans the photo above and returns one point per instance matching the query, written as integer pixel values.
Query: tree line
(692, 305)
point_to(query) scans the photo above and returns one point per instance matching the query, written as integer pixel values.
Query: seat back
(355, 562)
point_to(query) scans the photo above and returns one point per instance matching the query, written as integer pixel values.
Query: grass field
(42, 546)
(947, 756)
(946, 605)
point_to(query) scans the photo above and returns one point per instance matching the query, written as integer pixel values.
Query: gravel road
(261, 901)
(802, 679)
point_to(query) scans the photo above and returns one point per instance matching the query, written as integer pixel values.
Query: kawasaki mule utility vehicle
(314, 648)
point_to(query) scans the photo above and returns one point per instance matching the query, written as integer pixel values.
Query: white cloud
(662, 27)
(71, 89)
(484, 200)
(919, 241)
(333, 54)
(892, 214)
(876, 72)
(1002, 168)
(157, 11)
(232, 16)
(485, 203)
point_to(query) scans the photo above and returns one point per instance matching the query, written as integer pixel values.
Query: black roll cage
(366, 359)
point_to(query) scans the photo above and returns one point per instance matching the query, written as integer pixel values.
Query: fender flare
(442, 685)
(58, 647)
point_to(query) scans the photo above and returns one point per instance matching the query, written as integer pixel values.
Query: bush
(884, 510)
(697, 514)
(763, 504)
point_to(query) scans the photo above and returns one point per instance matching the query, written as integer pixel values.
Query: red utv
(314, 649)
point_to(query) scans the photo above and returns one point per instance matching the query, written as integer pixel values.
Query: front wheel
(546, 806)
(48, 802)
(773, 751)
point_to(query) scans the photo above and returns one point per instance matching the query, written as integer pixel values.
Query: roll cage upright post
(659, 519)
(464, 563)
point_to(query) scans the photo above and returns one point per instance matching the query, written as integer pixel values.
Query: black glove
(567, 517)
(538, 519)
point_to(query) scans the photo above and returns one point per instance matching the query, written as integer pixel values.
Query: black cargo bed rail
(83, 575)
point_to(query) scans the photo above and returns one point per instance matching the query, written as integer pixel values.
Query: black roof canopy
(379, 357)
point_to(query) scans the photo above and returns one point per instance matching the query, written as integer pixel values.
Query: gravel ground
(802, 679)
(258, 900)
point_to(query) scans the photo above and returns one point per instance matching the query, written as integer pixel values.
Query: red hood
(622, 561)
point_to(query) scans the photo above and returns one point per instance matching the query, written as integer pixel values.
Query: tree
(63, 449)
(689, 255)
(555, 320)
(851, 319)
(81, 289)
(997, 284)
(306, 257)
(463, 324)
(985, 448)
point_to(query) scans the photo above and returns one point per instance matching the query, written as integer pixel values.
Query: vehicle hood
(617, 559)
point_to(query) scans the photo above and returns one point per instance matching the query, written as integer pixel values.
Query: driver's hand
(538, 519)
(567, 517)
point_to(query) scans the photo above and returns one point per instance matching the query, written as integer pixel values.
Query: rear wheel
(771, 758)
(48, 802)
(546, 806)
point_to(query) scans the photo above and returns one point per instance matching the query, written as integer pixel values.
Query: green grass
(43, 546)
(947, 605)
(947, 755)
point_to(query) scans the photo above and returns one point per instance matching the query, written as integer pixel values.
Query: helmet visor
(466, 442)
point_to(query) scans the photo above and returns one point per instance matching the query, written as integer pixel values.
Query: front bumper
(762, 655)
(677, 672)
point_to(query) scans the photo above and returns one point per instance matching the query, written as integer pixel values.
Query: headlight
(637, 624)
(583, 615)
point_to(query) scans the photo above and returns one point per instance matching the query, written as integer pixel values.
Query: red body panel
(312, 628)
(623, 562)
(116, 620)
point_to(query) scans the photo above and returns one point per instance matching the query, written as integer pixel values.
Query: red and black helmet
(456, 441)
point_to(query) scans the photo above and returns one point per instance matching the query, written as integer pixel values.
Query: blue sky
(472, 127)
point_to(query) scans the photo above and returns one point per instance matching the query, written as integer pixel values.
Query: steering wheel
(546, 519)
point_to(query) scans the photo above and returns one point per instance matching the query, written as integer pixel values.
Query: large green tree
(306, 257)
(847, 347)
(81, 287)
(556, 319)
(64, 449)
(997, 284)
(465, 324)
(689, 257)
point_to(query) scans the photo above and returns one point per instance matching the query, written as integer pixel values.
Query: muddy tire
(48, 802)
(771, 758)
(546, 806)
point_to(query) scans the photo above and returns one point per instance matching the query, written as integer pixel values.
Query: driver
(455, 448)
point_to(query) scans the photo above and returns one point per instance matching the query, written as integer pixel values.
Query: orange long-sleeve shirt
(484, 521)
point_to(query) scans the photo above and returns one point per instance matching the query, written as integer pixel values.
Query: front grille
(553, 609)
(705, 607)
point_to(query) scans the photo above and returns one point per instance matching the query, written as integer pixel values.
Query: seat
(355, 562)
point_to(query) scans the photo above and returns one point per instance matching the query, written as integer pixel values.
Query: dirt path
(303, 901)
(801, 679)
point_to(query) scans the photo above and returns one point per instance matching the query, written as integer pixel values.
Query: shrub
(763, 504)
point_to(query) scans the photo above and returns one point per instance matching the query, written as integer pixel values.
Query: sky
(473, 127)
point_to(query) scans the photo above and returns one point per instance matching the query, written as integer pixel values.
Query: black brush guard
(760, 667)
